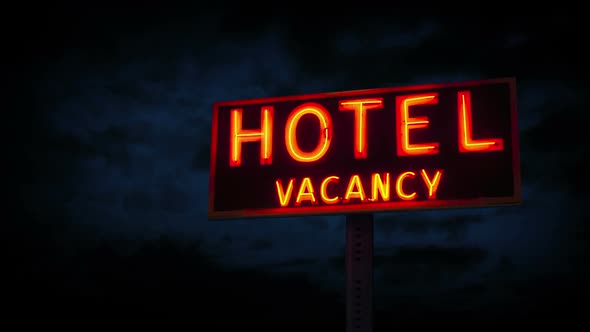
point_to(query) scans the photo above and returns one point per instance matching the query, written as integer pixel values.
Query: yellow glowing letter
(324, 190)
(379, 186)
(355, 181)
(306, 192)
(284, 197)
(399, 186)
(432, 185)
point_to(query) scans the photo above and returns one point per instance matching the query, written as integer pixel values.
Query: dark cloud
(261, 244)
(454, 226)
(416, 264)
(130, 90)
(157, 279)
(505, 266)
(54, 158)
(318, 223)
(544, 292)
(138, 200)
(411, 265)
(444, 46)
(65, 153)
(408, 36)
(452, 257)
(457, 227)
(470, 291)
(172, 198)
(290, 264)
(226, 239)
(556, 157)
(202, 156)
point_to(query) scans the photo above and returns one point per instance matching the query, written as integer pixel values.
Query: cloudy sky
(117, 148)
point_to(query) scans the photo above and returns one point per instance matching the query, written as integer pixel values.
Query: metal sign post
(359, 272)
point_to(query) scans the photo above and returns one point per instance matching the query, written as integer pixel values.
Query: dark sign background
(476, 178)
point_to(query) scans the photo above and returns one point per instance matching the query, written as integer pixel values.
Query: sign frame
(391, 206)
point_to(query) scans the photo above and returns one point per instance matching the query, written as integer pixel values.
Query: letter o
(325, 132)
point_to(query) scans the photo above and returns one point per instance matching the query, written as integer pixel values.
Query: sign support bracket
(359, 272)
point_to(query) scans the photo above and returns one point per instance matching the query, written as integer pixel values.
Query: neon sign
(430, 146)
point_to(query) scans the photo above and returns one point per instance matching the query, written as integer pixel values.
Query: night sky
(109, 150)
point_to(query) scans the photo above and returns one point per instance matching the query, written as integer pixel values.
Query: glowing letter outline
(360, 106)
(355, 181)
(380, 187)
(291, 132)
(324, 190)
(308, 195)
(432, 185)
(239, 136)
(399, 186)
(284, 197)
(466, 141)
(405, 123)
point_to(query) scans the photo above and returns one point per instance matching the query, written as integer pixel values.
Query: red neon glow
(405, 123)
(324, 190)
(325, 132)
(239, 136)
(399, 186)
(432, 184)
(427, 191)
(466, 141)
(360, 108)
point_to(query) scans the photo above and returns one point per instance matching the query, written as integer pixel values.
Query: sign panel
(419, 147)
